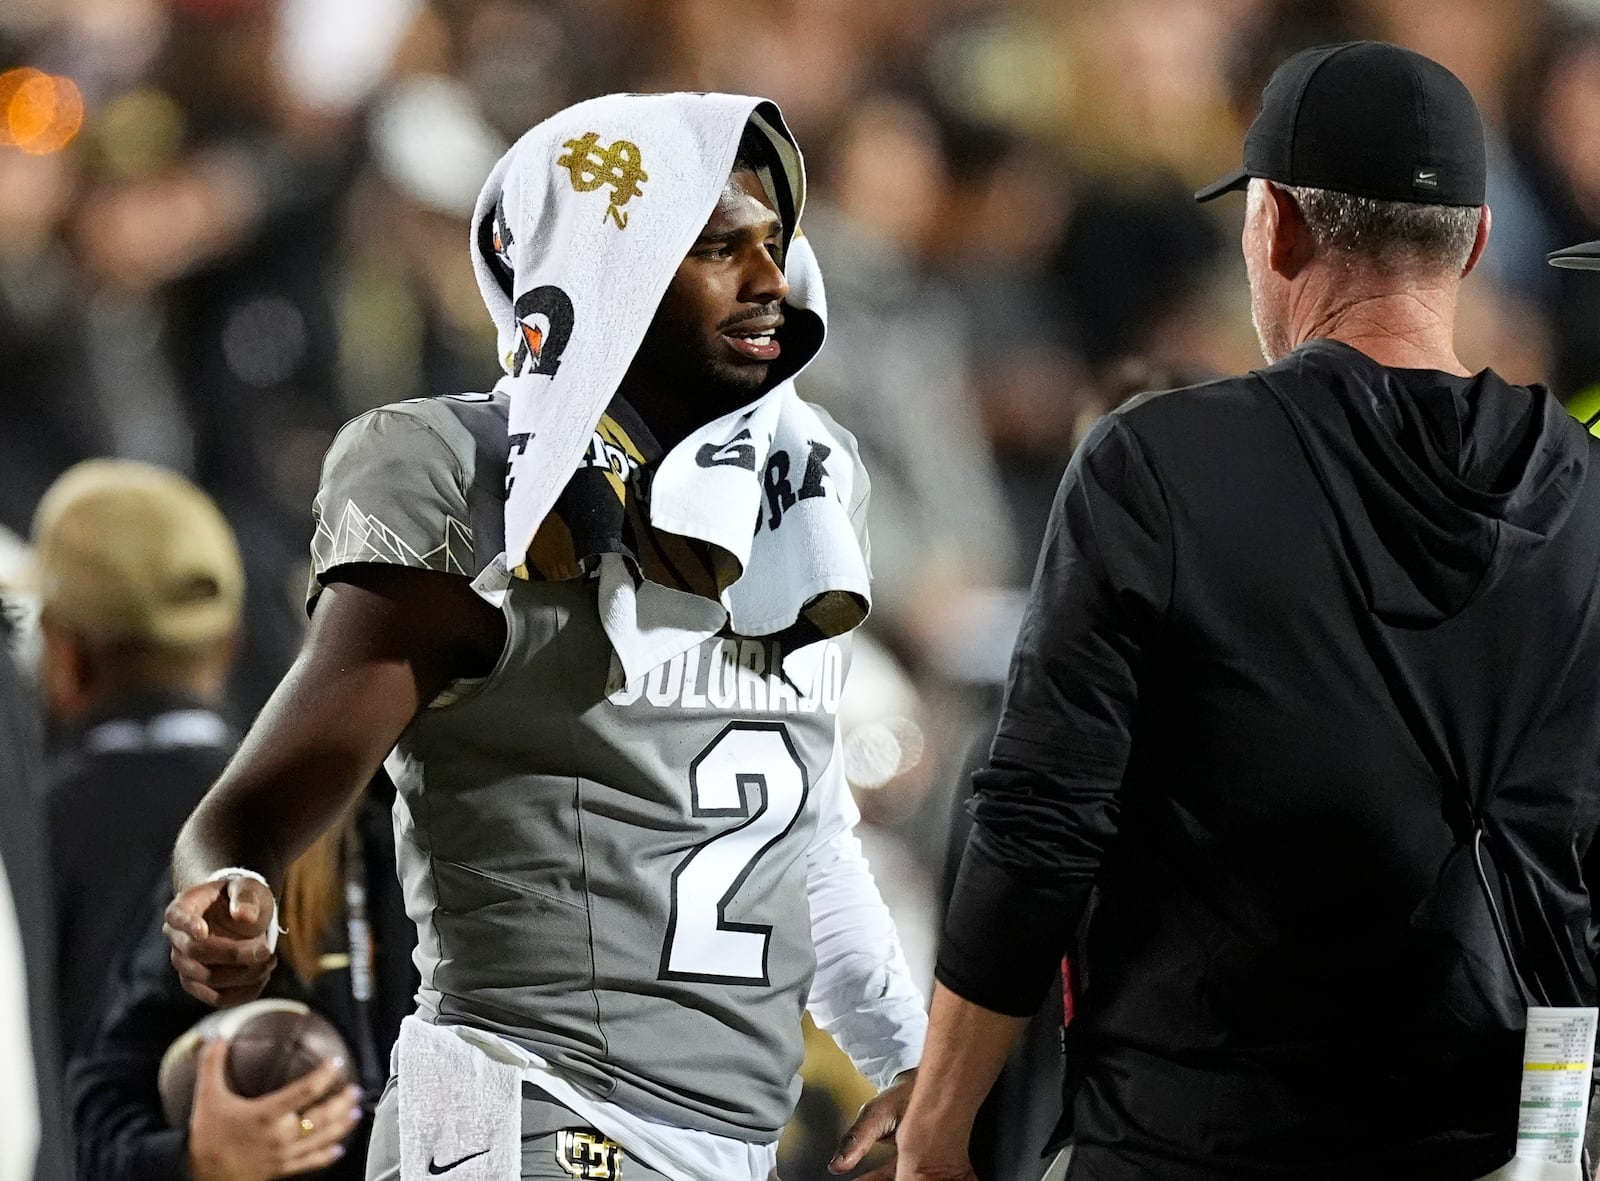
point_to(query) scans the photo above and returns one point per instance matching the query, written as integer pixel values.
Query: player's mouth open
(757, 340)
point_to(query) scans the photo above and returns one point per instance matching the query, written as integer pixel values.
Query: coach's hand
(296, 1129)
(218, 932)
(933, 1159)
(875, 1124)
(933, 1153)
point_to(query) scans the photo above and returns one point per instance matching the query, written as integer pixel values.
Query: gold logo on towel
(589, 1156)
(590, 165)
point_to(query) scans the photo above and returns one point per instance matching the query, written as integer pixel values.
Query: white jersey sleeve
(863, 993)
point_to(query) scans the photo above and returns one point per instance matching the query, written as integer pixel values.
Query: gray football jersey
(612, 875)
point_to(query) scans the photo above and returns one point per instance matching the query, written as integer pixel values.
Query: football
(270, 1044)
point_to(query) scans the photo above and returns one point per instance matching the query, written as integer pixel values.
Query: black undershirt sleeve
(1045, 807)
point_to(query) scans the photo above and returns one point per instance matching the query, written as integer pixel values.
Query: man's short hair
(1394, 234)
(755, 152)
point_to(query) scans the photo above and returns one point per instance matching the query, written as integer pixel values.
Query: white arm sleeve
(863, 993)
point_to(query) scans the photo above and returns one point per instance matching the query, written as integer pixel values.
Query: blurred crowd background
(227, 226)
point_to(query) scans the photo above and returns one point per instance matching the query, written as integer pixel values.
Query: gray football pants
(542, 1119)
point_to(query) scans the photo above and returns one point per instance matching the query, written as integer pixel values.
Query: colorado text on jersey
(740, 674)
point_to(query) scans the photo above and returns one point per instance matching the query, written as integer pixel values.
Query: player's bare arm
(384, 641)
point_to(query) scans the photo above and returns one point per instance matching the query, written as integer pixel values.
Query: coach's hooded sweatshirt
(1305, 649)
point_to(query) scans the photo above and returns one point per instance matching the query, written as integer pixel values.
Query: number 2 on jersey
(750, 771)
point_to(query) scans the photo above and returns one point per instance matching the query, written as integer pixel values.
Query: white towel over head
(577, 234)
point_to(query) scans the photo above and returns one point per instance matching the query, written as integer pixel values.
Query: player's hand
(218, 932)
(236, 1139)
(876, 1123)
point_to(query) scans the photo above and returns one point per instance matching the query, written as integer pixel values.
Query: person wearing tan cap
(140, 588)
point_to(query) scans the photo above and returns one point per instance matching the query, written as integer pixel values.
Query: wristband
(234, 871)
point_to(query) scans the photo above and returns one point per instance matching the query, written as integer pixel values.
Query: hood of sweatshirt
(1439, 482)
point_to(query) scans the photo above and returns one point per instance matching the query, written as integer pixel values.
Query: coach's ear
(1480, 241)
(1290, 243)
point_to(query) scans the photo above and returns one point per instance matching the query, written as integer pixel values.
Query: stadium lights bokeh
(40, 113)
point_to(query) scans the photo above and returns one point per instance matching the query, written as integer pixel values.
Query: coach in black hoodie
(1307, 693)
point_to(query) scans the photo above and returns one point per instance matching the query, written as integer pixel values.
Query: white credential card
(1557, 1058)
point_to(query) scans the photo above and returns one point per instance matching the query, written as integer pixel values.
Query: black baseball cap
(1585, 256)
(1369, 119)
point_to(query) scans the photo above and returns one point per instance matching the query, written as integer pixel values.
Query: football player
(634, 887)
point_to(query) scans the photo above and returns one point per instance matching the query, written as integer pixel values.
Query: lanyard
(358, 932)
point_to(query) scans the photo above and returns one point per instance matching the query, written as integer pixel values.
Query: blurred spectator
(250, 327)
(411, 318)
(334, 56)
(1560, 149)
(1008, 204)
(816, 58)
(1488, 44)
(1499, 329)
(19, 1085)
(348, 960)
(193, 327)
(520, 61)
(57, 416)
(896, 371)
(35, 1143)
(140, 588)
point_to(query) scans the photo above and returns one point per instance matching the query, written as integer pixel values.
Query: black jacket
(111, 1085)
(1304, 646)
(118, 792)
